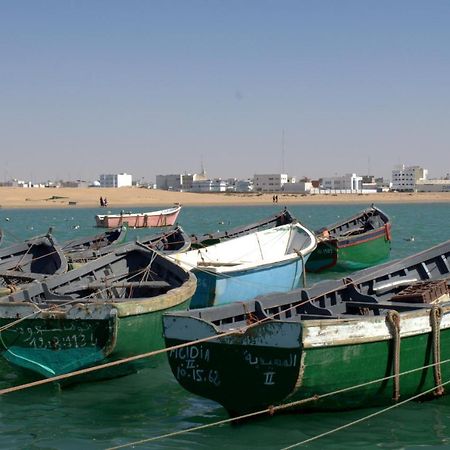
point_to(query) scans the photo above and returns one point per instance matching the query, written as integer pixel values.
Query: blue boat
(239, 269)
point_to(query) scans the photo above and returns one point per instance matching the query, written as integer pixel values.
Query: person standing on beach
(102, 202)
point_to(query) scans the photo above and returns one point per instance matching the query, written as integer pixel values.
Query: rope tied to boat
(393, 320)
(250, 317)
(435, 321)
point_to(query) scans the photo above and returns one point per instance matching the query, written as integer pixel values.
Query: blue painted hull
(214, 289)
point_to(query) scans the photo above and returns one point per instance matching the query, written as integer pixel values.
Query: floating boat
(282, 218)
(163, 218)
(254, 264)
(34, 259)
(107, 309)
(85, 248)
(348, 340)
(360, 241)
(172, 241)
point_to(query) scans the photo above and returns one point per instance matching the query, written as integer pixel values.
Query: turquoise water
(103, 414)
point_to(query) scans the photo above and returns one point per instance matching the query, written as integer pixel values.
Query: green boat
(360, 241)
(356, 336)
(106, 310)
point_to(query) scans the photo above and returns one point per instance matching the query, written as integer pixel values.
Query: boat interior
(417, 282)
(124, 275)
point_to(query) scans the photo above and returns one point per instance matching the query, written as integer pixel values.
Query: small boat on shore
(360, 341)
(253, 264)
(84, 248)
(284, 217)
(360, 241)
(107, 309)
(162, 218)
(33, 259)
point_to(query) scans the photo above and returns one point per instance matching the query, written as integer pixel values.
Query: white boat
(239, 269)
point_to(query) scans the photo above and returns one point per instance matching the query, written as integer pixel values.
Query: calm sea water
(102, 414)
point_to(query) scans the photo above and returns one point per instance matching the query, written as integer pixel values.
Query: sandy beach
(141, 198)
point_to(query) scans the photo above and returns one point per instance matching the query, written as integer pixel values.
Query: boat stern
(243, 371)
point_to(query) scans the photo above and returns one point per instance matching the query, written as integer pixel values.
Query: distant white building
(179, 182)
(269, 182)
(172, 182)
(216, 185)
(116, 180)
(406, 178)
(348, 183)
(433, 186)
(300, 187)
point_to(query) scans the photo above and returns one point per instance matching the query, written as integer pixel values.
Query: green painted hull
(245, 375)
(353, 255)
(53, 344)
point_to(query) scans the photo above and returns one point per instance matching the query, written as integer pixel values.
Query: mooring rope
(272, 409)
(363, 419)
(435, 319)
(393, 319)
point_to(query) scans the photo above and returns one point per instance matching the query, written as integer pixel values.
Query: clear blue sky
(150, 87)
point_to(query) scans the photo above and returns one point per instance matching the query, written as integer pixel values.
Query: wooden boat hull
(214, 289)
(351, 254)
(356, 243)
(254, 264)
(284, 363)
(34, 259)
(284, 217)
(54, 346)
(337, 334)
(108, 309)
(163, 218)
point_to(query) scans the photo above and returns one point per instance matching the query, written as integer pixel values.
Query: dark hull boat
(355, 243)
(34, 259)
(282, 218)
(360, 341)
(172, 241)
(85, 247)
(108, 309)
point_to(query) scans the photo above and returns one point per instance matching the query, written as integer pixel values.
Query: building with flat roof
(116, 180)
(269, 182)
(347, 183)
(405, 178)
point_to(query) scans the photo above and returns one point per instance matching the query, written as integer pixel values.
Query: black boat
(284, 217)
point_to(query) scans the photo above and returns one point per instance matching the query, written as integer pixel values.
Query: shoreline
(32, 198)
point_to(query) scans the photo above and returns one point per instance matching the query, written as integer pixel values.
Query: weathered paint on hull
(214, 289)
(241, 377)
(349, 256)
(246, 377)
(50, 347)
(138, 220)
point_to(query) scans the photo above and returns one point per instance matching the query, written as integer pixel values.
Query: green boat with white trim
(338, 345)
(360, 241)
(106, 310)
